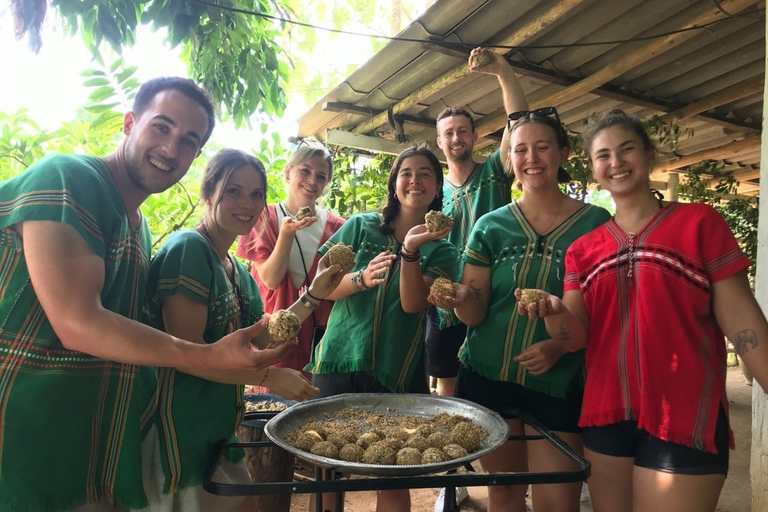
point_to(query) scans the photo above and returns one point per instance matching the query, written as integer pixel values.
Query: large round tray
(425, 406)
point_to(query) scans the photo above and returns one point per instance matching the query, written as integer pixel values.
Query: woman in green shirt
(199, 291)
(508, 360)
(374, 342)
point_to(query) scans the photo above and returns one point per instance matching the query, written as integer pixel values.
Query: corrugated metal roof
(723, 63)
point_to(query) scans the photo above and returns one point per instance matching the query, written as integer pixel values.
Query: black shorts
(624, 439)
(557, 414)
(443, 347)
(332, 384)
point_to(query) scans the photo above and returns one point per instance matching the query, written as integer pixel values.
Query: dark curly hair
(393, 204)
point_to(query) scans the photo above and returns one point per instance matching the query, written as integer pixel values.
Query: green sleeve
(183, 265)
(479, 251)
(498, 169)
(443, 261)
(74, 190)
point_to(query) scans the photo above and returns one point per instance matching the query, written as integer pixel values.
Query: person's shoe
(461, 495)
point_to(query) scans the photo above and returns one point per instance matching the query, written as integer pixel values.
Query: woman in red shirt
(659, 284)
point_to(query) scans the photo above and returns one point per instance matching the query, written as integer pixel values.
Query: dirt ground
(735, 496)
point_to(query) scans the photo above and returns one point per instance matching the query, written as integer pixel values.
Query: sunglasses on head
(540, 112)
(312, 143)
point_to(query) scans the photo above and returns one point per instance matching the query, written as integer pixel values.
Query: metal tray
(425, 406)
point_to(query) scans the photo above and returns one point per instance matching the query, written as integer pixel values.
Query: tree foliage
(232, 54)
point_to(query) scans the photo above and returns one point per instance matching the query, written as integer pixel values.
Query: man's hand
(290, 384)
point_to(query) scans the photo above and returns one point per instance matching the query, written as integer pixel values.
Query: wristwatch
(307, 303)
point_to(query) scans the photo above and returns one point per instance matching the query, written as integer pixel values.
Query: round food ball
(425, 430)
(532, 296)
(284, 325)
(303, 213)
(479, 59)
(351, 453)
(341, 254)
(379, 453)
(398, 434)
(326, 449)
(337, 439)
(442, 287)
(367, 439)
(436, 220)
(468, 435)
(304, 442)
(408, 457)
(432, 456)
(438, 439)
(418, 442)
(454, 451)
(395, 442)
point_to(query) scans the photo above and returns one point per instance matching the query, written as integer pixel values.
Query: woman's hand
(461, 291)
(419, 235)
(290, 384)
(541, 356)
(376, 271)
(291, 226)
(552, 305)
(327, 279)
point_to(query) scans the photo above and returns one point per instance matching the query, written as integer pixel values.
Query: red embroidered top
(655, 352)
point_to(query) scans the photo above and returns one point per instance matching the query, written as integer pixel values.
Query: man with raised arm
(74, 254)
(470, 191)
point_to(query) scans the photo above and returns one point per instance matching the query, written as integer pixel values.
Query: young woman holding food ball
(200, 292)
(374, 342)
(508, 359)
(284, 249)
(650, 295)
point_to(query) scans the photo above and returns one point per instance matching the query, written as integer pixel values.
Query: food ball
(438, 439)
(418, 442)
(341, 254)
(436, 220)
(315, 435)
(532, 296)
(284, 325)
(351, 453)
(398, 434)
(337, 439)
(379, 453)
(468, 435)
(326, 449)
(425, 430)
(442, 287)
(454, 451)
(395, 442)
(305, 442)
(367, 439)
(408, 457)
(432, 456)
(479, 60)
(303, 213)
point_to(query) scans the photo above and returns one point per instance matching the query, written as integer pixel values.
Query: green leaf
(102, 93)
(97, 81)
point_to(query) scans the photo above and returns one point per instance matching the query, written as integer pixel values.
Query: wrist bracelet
(410, 257)
(307, 303)
(313, 297)
(266, 374)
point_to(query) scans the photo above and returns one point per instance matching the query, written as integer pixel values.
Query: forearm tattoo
(564, 333)
(475, 290)
(744, 341)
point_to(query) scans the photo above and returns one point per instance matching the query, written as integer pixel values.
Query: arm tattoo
(475, 290)
(744, 341)
(564, 333)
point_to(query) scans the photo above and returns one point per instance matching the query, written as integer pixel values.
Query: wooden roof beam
(717, 153)
(641, 55)
(711, 101)
(518, 38)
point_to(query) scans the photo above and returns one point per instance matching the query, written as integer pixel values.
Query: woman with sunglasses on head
(650, 295)
(284, 250)
(375, 337)
(508, 360)
(200, 292)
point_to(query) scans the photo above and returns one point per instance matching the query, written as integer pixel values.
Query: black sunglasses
(540, 112)
(314, 144)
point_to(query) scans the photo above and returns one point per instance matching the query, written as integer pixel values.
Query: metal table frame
(326, 481)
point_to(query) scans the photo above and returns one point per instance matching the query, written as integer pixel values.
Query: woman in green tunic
(200, 292)
(508, 360)
(374, 342)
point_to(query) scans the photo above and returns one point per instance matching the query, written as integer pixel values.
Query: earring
(395, 195)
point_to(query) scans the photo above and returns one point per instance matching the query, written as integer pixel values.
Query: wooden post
(759, 459)
(672, 183)
(267, 465)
